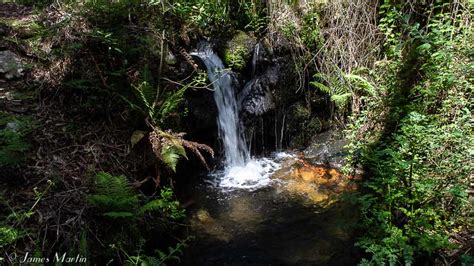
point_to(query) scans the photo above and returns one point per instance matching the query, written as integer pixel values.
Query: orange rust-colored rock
(318, 184)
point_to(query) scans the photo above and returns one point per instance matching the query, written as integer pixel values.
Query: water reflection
(296, 220)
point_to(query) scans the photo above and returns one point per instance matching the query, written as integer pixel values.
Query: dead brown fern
(196, 148)
(159, 140)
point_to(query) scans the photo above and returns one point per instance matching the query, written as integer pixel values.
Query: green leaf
(341, 100)
(171, 155)
(320, 86)
(137, 135)
(361, 83)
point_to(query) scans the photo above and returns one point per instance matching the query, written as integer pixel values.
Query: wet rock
(302, 124)
(203, 221)
(317, 184)
(10, 65)
(257, 97)
(326, 149)
(261, 58)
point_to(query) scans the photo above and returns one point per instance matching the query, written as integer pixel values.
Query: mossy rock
(24, 28)
(238, 51)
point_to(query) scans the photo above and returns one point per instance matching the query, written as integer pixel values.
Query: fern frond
(172, 102)
(319, 81)
(108, 184)
(168, 147)
(114, 194)
(361, 83)
(321, 87)
(196, 148)
(134, 106)
(171, 152)
(146, 95)
(8, 235)
(320, 76)
(154, 205)
(340, 88)
(166, 205)
(341, 100)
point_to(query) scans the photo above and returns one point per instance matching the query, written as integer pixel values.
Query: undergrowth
(132, 217)
(414, 139)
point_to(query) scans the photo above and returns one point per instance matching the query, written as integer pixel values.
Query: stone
(238, 51)
(10, 65)
(13, 126)
(257, 97)
(170, 59)
(326, 149)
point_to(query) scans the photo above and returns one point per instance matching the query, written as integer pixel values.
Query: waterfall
(240, 172)
(256, 51)
(230, 131)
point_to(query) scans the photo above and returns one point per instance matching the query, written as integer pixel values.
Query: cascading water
(236, 152)
(240, 171)
(238, 218)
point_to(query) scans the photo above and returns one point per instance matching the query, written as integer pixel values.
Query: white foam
(253, 175)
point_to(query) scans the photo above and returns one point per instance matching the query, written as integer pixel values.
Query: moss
(24, 28)
(238, 50)
(13, 142)
(302, 125)
(8, 235)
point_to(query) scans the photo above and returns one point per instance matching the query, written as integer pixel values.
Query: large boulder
(256, 97)
(238, 51)
(10, 65)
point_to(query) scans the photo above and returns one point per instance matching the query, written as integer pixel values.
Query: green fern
(171, 150)
(119, 214)
(114, 196)
(171, 155)
(117, 199)
(146, 96)
(339, 92)
(156, 105)
(341, 100)
(320, 78)
(361, 84)
(166, 205)
(171, 103)
(321, 86)
(342, 87)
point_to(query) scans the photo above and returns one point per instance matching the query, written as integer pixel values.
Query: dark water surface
(270, 226)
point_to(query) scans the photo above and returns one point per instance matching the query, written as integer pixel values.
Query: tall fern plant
(343, 89)
(156, 105)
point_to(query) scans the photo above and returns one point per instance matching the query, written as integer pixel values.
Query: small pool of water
(295, 217)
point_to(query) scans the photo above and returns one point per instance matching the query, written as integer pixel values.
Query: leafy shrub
(203, 16)
(414, 141)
